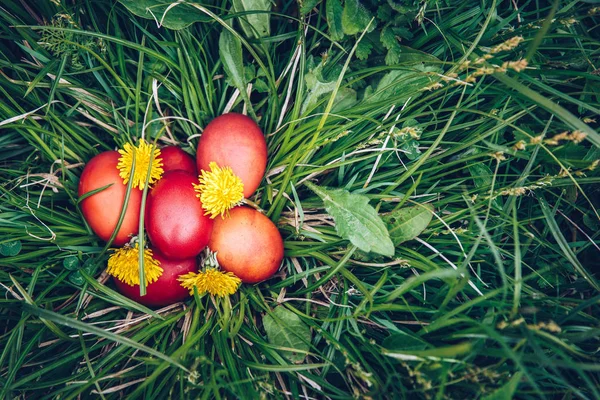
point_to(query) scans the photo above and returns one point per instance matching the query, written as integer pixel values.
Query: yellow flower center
(213, 281)
(145, 153)
(219, 190)
(123, 265)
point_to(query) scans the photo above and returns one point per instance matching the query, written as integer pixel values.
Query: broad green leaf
(286, 329)
(255, 25)
(356, 220)
(403, 33)
(260, 86)
(384, 12)
(230, 51)
(177, 17)
(411, 149)
(334, 12)
(306, 6)
(249, 75)
(408, 223)
(355, 18)
(76, 278)
(481, 174)
(89, 266)
(403, 84)
(318, 85)
(249, 72)
(400, 7)
(413, 123)
(409, 55)
(388, 39)
(316, 89)
(71, 263)
(10, 249)
(363, 50)
(344, 99)
(393, 56)
(482, 177)
(507, 391)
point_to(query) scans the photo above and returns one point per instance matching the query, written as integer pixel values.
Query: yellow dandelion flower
(144, 152)
(123, 265)
(219, 190)
(213, 281)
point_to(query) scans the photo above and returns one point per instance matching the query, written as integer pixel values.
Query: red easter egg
(175, 221)
(167, 289)
(248, 244)
(173, 158)
(235, 141)
(101, 210)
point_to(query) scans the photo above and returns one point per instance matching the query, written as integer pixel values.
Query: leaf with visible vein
(408, 223)
(355, 18)
(172, 17)
(356, 220)
(286, 329)
(230, 51)
(363, 50)
(256, 24)
(334, 12)
(11, 248)
(306, 6)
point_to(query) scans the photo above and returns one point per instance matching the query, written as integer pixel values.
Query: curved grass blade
(564, 245)
(82, 326)
(552, 107)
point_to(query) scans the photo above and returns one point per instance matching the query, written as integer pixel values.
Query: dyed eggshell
(234, 140)
(167, 289)
(248, 244)
(173, 158)
(175, 221)
(101, 210)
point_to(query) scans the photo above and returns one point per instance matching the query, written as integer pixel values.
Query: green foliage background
(484, 172)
